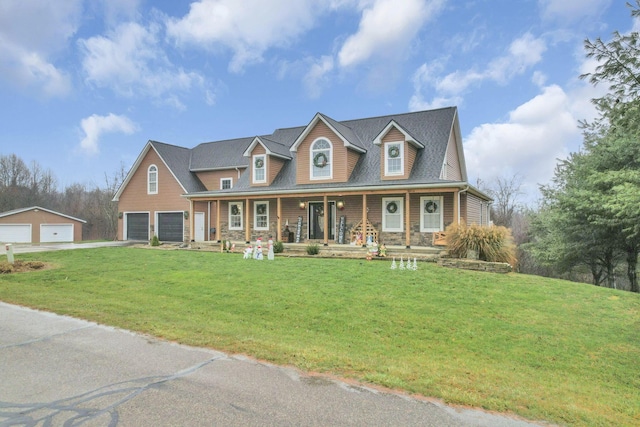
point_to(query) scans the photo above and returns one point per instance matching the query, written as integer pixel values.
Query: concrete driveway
(61, 371)
(21, 248)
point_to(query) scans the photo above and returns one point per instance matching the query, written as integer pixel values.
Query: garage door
(138, 226)
(56, 233)
(170, 227)
(15, 233)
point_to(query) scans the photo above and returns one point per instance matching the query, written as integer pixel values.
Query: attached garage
(15, 233)
(170, 226)
(39, 225)
(137, 226)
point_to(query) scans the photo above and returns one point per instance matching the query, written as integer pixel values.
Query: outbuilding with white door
(39, 225)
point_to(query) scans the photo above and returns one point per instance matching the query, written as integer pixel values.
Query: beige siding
(275, 166)
(352, 160)
(42, 217)
(340, 163)
(474, 210)
(134, 198)
(211, 179)
(452, 168)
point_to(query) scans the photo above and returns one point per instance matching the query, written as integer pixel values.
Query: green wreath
(431, 207)
(394, 151)
(261, 209)
(392, 207)
(259, 163)
(320, 160)
(235, 210)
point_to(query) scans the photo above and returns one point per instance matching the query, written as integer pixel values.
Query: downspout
(238, 170)
(459, 205)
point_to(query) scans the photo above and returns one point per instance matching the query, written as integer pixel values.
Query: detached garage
(39, 225)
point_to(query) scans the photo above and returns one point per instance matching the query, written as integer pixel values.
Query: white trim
(440, 211)
(36, 208)
(226, 179)
(240, 214)
(329, 160)
(149, 191)
(255, 214)
(387, 158)
(410, 139)
(399, 201)
(317, 118)
(253, 168)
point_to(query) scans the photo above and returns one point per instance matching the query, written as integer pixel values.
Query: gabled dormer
(327, 151)
(398, 151)
(266, 159)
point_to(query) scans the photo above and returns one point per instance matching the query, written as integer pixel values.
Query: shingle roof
(430, 128)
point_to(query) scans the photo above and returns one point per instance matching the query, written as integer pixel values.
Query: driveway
(22, 248)
(59, 371)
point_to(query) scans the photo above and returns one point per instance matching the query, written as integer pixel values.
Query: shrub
(155, 241)
(5, 267)
(278, 247)
(493, 244)
(313, 249)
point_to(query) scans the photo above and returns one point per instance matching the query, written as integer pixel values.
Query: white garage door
(15, 233)
(56, 233)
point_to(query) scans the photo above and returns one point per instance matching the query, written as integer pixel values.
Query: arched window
(321, 159)
(152, 180)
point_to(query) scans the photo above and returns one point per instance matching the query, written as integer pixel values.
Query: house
(399, 179)
(39, 225)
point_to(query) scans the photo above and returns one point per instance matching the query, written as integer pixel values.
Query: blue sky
(85, 83)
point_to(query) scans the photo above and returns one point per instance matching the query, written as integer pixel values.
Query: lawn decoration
(415, 265)
(393, 264)
(270, 254)
(382, 251)
(259, 253)
(248, 252)
(401, 264)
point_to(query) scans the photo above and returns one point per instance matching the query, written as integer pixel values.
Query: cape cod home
(399, 179)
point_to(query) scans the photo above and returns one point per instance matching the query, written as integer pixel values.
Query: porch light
(303, 205)
(340, 204)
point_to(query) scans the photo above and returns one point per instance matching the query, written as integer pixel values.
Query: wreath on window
(259, 163)
(261, 209)
(431, 207)
(394, 151)
(392, 207)
(235, 210)
(320, 160)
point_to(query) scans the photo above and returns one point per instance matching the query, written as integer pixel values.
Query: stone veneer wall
(470, 264)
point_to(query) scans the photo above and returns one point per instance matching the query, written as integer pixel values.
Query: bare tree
(505, 193)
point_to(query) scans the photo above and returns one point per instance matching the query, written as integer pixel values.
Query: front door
(316, 220)
(199, 227)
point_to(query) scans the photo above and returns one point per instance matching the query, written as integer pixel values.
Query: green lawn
(544, 349)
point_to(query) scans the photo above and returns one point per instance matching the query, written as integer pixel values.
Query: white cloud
(248, 28)
(316, 78)
(95, 126)
(31, 33)
(130, 61)
(386, 29)
(523, 53)
(571, 10)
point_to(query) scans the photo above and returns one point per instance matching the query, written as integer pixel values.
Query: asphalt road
(61, 371)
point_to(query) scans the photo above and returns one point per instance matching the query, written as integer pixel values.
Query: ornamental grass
(491, 243)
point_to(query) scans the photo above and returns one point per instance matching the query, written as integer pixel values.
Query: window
(321, 156)
(261, 215)
(235, 216)
(226, 183)
(152, 180)
(259, 169)
(392, 214)
(394, 158)
(431, 218)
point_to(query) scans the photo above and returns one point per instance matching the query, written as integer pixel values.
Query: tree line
(24, 185)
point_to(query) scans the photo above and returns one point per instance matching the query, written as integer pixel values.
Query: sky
(85, 84)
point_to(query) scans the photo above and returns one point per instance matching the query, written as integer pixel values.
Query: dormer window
(152, 180)
(394, 158)
(321, 155)
(259, 169)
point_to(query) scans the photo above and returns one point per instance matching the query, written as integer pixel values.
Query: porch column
(247, 229)
(456, 207)
(407, 220)
(218, 212)
(278, 220)
(325, 220)
(364, 220)
(192, 221)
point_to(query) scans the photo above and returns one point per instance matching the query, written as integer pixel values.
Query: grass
(543, 349)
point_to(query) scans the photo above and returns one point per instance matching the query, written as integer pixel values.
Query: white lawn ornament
(270, 254)
(248, 252)
(393, 264)
(401, 263)
(415, 264)
(259, 253)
